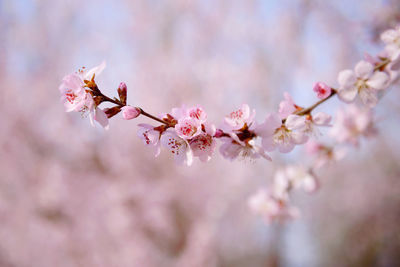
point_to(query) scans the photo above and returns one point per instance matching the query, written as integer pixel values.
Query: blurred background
(73, 195)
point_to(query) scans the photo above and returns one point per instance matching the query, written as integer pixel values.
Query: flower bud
(122, 86)
(122, 90)
(218, 133)
(322, 90)
(129, 112)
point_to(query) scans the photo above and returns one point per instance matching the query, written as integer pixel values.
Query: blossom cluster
(186, 133)
(361, 89)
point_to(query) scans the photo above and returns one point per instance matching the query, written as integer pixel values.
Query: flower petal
(369, 97)
(260, 151)
(285, 147)
(101, 117)
(347, 78)
(378, 80)
(322, 119)
(348, 95)
(294, 122)
(268, 144)
(298, 137)
(389, 36)
(96, 71)
(364, 69)
(271, 123)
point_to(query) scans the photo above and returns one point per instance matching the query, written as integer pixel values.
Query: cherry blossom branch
(308, 110)
(120, 104)
(186, 133)
(142, 112)
(311, 108)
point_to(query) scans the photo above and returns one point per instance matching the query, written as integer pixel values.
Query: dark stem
(309, 109)
(106, 98)
(301, 112)
(152, 117)
(382, 64)
(144, 113)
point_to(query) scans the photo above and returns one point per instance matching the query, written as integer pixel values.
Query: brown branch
(308, 110)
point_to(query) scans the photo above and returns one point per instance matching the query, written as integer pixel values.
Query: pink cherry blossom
(188, 128)
(313, 122)
(285, 136)
(101, 117)
(271, 207)
(293, 177)
(203, 146)
(363, 81)
(150, 137)
(233, 148)
(391, 38)
(77, 97)
(238, 118)
(95, 71)
(322, 90)
(324, 154)
(129, 113)
(178, 147)
(197, 113)
(180, 113)
(351, 123)
(287, 106)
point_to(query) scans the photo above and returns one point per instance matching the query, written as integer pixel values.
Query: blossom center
(281, 135)
(70, 96)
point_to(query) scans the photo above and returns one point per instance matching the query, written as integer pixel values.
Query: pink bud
(219, 133)
(122, 90)
(129, 112)
(322, 90)
(122, 86)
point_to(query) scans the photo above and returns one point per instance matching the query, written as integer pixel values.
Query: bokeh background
(73, 195)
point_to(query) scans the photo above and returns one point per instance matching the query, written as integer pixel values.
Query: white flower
(238, 118)
(313, 122)
(352, 123)
(363, 81)
(392, 40)
(178, 147)
(76, 96)
(150, 137)
(271, 207)
(294, 176)
(282, 136)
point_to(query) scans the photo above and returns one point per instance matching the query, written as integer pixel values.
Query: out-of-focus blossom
(287, 106)
(391, 38)
(324, 154)
(322, 90)
(178, 146)
(351, 123)
(129, 113)
(312, 123)
(271, 207)
(294, 177)
(231, 148)
(283, 136)
(363, 81)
